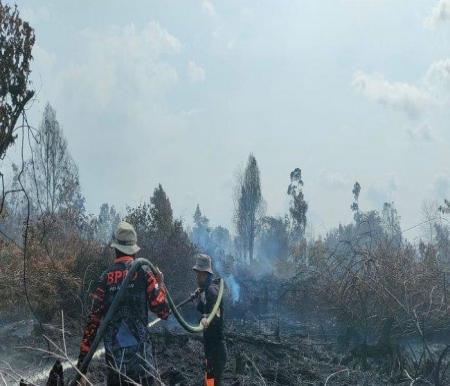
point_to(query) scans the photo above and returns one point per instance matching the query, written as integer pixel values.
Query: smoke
(217, 243)
(230, 280)
(233, 285)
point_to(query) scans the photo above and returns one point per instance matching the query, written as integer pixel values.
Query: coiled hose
(138, 263)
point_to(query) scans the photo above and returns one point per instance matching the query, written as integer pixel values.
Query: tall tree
(161, 212)
(16, 43)
(355, 205)
(298, 206)
(200, 232)
(199, 219)
(163, 240)
(52, 170)
(249, 204)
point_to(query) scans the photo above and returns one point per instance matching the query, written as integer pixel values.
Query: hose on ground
(138, 263)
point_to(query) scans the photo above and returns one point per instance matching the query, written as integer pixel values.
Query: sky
(181, 92)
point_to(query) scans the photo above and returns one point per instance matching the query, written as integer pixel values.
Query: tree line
(365, 275)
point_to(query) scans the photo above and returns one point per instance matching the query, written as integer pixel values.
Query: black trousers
(216, 359)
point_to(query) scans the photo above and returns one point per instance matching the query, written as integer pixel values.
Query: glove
(196, 293)
(204, 323)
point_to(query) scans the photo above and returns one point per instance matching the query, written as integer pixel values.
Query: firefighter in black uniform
(213, 335)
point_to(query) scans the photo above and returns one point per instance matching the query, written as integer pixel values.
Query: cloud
(247, 15)
(396, 95)
(383, 191)
(335, 180)
(112, 93)
(441, 186)
(431, 91)
(123, 65)
(208, 8)
(196, 72)
(437, 78)
(422, 133)
(44, 58)
(231, 44)
(392, 183)
(192, 112)
(440, 13)
(377, 196)
(35, 15)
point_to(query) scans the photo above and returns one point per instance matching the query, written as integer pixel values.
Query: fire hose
(138, 263)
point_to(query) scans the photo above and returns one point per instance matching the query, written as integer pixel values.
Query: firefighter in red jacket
(128, 349)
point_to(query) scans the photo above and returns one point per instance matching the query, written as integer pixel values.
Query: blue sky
(180, 92)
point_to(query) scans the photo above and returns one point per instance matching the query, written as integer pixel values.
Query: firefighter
(213, 335)
(128, 349)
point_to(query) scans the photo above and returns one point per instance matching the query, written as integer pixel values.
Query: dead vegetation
(252, 360)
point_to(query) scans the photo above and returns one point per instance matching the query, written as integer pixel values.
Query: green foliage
(16, 43)
(249, 204)
(164, 241)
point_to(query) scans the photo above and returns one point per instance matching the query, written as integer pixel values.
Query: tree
(221, 239)
(213, 241)
(391, 222)
(200, 232)
(273, 239)
(445, 209)
(16, 43)
(249, 205)
(298, 206)
(153, 222)
(52, 170)
(162, 219)
(431, 213)
(443, 243)
(163, 240)
(355, 206)
(199, 219)
(105, 224)
(141, 219)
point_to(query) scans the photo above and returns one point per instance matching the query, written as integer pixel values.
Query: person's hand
(159, 277)
(196, 293)
(204, 323)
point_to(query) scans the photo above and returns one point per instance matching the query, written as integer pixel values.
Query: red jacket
(128, 326)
